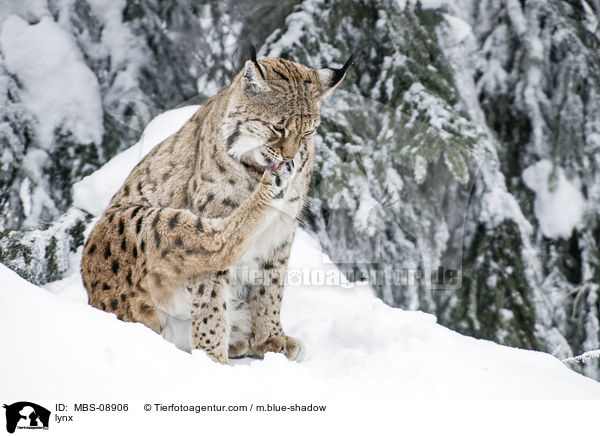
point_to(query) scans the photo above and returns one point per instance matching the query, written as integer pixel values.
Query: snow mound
(357, 347)
(559, 205)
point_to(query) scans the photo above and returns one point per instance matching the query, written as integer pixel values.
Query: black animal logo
(30, 415)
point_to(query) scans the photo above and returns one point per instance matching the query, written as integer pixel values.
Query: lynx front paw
(282, 178)
(291, 347)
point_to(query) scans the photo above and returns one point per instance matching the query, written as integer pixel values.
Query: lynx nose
(289, 147)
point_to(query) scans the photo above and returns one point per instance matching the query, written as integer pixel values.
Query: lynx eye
(310, 132)
(280, 131)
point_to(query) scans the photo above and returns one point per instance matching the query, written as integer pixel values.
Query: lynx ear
(253, 80)
(330, 78)
(254, 74)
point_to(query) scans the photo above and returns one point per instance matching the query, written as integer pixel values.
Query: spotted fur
(221, 195)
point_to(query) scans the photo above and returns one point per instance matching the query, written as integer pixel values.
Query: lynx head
(274, 107)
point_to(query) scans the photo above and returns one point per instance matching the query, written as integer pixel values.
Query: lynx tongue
(273, 166)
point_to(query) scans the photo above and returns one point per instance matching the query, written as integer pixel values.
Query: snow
(59, 88)
(31, 10)
(298, 25)
(357, 346)
(41, 202)
(459, 28)
(121, 46)
(25, 196)
(559, 204)
(591, 21)
(420, 169)
(366, 205)
(115, 35)
(434, 4)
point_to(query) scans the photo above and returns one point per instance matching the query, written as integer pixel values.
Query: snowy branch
(582, 358)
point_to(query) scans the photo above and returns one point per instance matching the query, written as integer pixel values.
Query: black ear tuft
(338, 73)
(350, 60)
(252, 50)
(331, 77)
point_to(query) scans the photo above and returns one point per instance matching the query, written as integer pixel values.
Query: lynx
(219, 197)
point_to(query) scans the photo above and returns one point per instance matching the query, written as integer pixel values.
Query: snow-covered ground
(356, 345)
(360, 352)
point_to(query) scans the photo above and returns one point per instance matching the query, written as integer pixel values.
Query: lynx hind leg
(210, 325)
(240, 321)
(265, 306)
